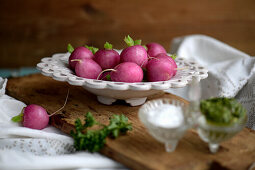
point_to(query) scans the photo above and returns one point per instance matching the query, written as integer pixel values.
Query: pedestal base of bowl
(132, 102)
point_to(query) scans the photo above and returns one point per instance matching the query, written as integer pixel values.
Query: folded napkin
(231, 72)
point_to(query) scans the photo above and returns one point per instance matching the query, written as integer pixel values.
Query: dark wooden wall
(32, 29)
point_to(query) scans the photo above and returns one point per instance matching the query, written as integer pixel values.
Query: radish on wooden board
(127, 72)
(154, 49)
(160, 70)
(107, 57)
(79, 53)
(87, 68)
(171, 58)
(134, 53)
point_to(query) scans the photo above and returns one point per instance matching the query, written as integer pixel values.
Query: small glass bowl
(168, 136)
(215, 134)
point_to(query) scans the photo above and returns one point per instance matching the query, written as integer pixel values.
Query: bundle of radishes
(131, 65)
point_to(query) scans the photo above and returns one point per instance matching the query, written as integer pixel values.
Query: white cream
(166, 116)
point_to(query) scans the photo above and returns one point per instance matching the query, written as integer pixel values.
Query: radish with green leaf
(78, 53)
(135, 53)
(35, 117)
(87, 68)
(107, 57)
(154, 49)
(127, 72)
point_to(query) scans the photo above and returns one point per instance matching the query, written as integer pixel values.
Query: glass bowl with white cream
(167, 120)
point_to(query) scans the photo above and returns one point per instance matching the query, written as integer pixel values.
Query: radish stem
(62, 106)
(153, 58)
(79, 60)
(182, 68)
(110, 69)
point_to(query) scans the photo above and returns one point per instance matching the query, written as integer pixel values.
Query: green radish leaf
(138, 42)
(108, 46)
(174, 56)
(70, 48)
(145, 47)
(92, 49)
(18, 118)
(129, 41)
(108, 77)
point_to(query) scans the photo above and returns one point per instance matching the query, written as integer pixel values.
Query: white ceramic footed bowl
(108, 91)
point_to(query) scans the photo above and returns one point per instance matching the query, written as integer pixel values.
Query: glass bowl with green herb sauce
(220, 120)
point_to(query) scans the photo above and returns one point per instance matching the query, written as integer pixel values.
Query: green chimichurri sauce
(222, 111)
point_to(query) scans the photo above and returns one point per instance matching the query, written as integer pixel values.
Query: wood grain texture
(31, 30)
(137, 149)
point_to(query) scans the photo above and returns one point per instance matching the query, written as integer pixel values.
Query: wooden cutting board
(137, 149)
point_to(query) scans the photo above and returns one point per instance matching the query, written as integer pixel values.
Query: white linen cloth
(24, 148)
(231, 72)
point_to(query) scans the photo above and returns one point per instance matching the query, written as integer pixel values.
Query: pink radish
(134, 53)
(107, 57)
(87, 68)
(127, 72)
(160, 70)
(155, 49)
(79, 53)
(35, 117)
(163, 56)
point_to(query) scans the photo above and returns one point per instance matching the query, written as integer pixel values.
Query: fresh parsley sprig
(94, 140)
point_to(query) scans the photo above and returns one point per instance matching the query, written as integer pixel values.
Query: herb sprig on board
(94, 140)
